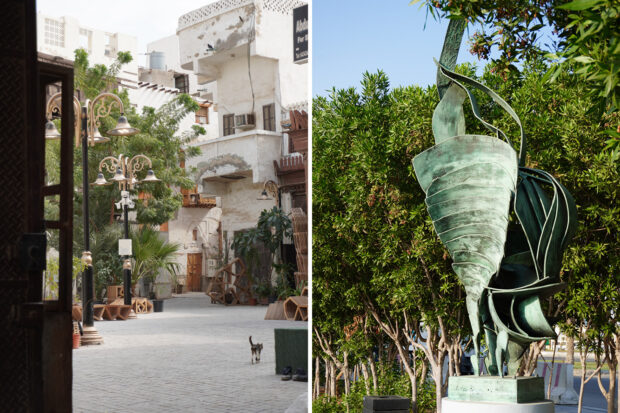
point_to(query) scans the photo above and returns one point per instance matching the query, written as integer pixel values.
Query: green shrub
(390, 381)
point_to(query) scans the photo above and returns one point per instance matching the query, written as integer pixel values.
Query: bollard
(391, 404)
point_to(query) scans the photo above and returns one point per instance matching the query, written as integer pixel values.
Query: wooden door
(194, 271)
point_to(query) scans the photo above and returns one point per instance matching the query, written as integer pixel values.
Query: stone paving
(193, 357)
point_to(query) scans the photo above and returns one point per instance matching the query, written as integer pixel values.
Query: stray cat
(256, 349)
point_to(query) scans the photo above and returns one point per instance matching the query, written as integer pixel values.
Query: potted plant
(263, 291)
(152, 255)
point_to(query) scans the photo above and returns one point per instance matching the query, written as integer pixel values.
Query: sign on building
(300, 34)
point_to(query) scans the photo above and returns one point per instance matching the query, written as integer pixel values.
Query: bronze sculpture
(505, 225)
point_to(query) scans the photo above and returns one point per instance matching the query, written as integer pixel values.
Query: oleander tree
(375, 253)
(582, 36)
(373, 244)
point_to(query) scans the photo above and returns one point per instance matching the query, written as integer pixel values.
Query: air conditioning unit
(245, 121)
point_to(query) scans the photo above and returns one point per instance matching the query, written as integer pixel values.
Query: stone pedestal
(463, 406)
(91, 336)
(496, 389)
(493, 394)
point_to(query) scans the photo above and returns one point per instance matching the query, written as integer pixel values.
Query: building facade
(61, 36)
(241, 52)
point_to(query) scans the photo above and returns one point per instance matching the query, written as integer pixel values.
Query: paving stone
(193, 357)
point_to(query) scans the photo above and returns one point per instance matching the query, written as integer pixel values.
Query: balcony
(244, 155)
(220, 32)
(291, 172)
(196, 200)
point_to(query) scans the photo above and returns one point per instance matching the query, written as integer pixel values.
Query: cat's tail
(251, 341)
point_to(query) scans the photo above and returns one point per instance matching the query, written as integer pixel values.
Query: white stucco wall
(96, 46)
(234, 27)
(253, 150)
(170, 47)
(229, 26)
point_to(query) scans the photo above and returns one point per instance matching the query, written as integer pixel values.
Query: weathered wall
(160, 77)
(248, 151)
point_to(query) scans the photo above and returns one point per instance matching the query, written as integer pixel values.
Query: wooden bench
(296, 308)
(98, 310)
(116, 312)
(141, 305)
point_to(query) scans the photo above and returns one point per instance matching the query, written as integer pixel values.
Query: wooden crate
(114, 292)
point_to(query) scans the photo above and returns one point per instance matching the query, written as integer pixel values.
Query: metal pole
(126, 268)
(87, 274)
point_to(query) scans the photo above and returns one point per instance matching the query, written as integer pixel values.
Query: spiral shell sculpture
(472, 184)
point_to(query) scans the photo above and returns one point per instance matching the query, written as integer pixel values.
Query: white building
(61, 36)
(242, 54)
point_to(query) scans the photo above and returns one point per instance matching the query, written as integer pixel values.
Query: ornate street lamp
(90, 115)
(125, 173)
(273, 189)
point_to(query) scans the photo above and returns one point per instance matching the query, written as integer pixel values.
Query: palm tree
(151, 255)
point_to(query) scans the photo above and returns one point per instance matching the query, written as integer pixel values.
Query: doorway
(194, 271)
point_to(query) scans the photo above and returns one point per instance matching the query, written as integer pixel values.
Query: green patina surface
(496, 389)
(473, 184)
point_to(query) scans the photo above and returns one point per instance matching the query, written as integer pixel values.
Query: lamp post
(125, 173)
(90, 113)
(273, 189)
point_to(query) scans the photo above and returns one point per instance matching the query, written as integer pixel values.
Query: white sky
(148, 20)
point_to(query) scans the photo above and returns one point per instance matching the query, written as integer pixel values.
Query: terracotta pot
(76, 341)
(252, 301)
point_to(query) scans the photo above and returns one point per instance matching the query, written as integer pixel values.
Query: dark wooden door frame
(35, 367)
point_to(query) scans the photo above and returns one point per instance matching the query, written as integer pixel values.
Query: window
(85, 39)
(109, 49)
(181, 82)
(269, 117)
(195, 235)
(202, 116)
(229, 124)
(54, 33)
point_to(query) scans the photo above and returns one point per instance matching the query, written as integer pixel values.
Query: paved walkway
(193, 357)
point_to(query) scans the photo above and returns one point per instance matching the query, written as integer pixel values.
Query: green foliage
(390, 382)
(159, 140)
(50, 280)
(588, 32)
(92, 80)
(272, 227)
(107, 265)
(152, 255)
(373, 243)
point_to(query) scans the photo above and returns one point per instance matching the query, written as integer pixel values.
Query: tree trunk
(332, 379)
(611, 393)
(570, 350)
(346, 374)
(373, 372)
(437, 372)
(326, 388)
(317, 385)
(582, 360)
(366, 378)
(424, 370)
